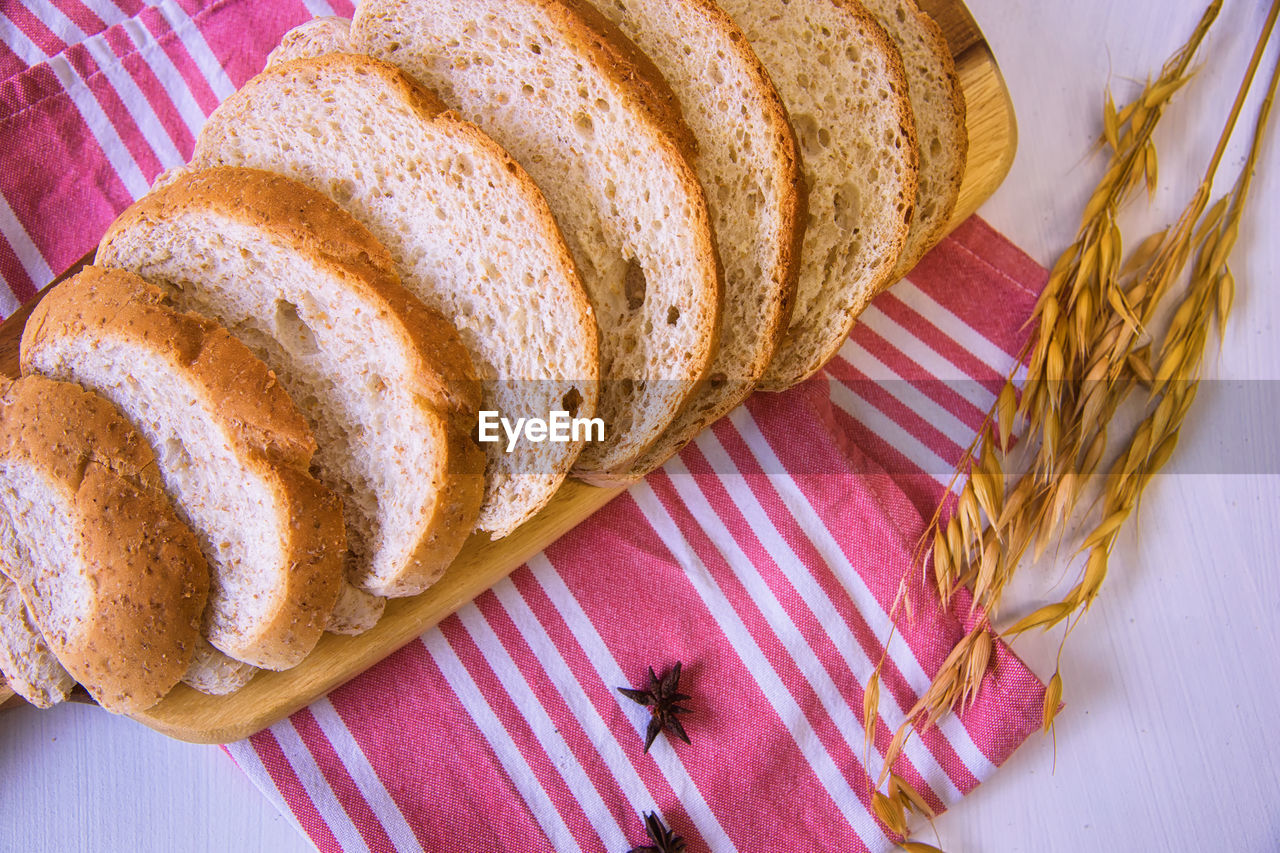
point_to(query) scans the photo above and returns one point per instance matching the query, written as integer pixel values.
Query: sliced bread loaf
(937, 103)
(230, 448)
(590, 118)
(115, 582)
(844, 86)
(384, 382)
(750, 171)
(28, 664)
(470, 234)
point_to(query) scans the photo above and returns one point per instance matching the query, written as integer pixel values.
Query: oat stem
(1092, 351)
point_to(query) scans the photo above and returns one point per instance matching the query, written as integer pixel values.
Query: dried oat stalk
(1094, 348)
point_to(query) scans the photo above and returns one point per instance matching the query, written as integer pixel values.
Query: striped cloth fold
(766, 557)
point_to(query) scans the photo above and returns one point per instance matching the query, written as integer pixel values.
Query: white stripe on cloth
(503, 747)
(597, 652)
(19, 42)
(543, 727)
(317, 787)
(932, 363)
(365, 777)
(824, 767)
(318, 8)
(57, 21)
(135, 103)
(8, 302)
(101, 128)
(877, 620)
(815, 599)
(33, 262)
(109, 13)
(250, 763)
(878, 423)
(897, 387)
(953, 327)
(197, 48)
(569, 688)
(175, 86)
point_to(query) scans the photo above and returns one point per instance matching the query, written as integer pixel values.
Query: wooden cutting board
(271, 696)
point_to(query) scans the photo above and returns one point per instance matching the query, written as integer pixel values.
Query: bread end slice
(115, 581)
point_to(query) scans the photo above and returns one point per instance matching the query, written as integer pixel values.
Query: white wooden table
(1170, 738)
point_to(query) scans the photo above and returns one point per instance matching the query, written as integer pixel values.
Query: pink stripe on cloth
(837, 730)
(649, 612)
(67, 187)
(340, 781)
(766, 558)
(35, 28)
(986, 281)
(10, 62)
(938, 341)
(880, 394)
(946, 393)
(512, 712)
(470, 793)
(863, 646)
(287, 783)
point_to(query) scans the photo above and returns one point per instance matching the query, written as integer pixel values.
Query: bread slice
(846, 93)
(115, 582)
(214, 673)
(937, 103)
(26, 661)
(230, 448)
(383, 382)
(316, 37)
(593, 122)
(355, 611)
(749, 168)
(470, 234)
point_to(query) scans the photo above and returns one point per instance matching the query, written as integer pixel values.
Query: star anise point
(662, 698)
(664, 840)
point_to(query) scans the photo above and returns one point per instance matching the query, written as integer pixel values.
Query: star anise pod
(663, 702)
(664, 840)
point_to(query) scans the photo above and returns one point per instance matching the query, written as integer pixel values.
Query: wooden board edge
(191, 716)
(956, 22)
(992, 127)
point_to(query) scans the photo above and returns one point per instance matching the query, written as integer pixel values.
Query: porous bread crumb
(470, 235)
(845, 89)
(586, 119)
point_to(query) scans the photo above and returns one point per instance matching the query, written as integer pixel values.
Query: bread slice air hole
(571, 401)
(634, 285)
(290, 327)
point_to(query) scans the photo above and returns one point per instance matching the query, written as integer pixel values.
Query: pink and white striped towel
(765, 557)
